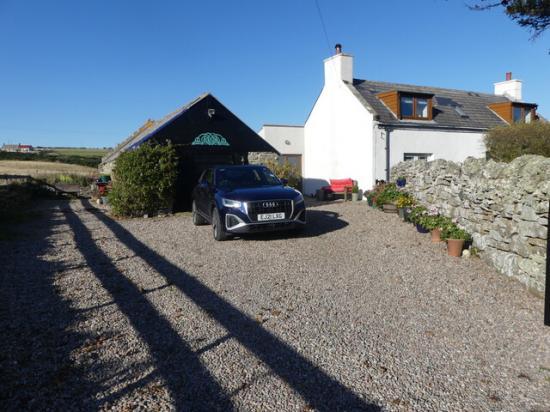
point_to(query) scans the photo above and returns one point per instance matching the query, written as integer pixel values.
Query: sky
(88, 73)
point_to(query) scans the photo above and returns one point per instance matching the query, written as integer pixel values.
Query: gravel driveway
(358, 313)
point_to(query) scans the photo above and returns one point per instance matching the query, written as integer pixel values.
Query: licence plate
(270, 216)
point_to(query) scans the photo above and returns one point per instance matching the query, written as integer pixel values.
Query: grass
(79, 156)
(39, 168)
(82, 152)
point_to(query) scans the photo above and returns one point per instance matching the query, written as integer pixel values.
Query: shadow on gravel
(189, 383)
(319, 222)
(35, 349)
(316, 387)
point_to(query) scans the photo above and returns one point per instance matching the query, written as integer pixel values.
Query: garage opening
(205, 133)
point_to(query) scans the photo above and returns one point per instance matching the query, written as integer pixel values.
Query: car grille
(269, 206)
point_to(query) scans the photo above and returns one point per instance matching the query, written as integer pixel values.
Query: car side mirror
(284, 182)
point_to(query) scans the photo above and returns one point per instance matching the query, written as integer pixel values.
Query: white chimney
(510, 88)
(339, 67)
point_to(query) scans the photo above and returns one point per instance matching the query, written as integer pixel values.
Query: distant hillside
(79, 156)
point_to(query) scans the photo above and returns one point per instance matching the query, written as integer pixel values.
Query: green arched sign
(210, 139)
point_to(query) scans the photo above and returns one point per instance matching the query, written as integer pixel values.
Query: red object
(339, 186)
(102, 188)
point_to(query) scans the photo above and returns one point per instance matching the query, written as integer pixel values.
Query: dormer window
(523, 113)
(515, 112)
(407, 105)
(414, 107)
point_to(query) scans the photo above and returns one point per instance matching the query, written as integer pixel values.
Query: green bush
(286, 171)
(505, 143)
(388, 194)
(144, 180)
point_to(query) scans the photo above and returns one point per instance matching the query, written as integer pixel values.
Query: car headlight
(231, 203)
(298, 200)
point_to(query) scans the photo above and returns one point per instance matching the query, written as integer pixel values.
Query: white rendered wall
(286, 139)
(448, 145)
(338, 139)
(509, 88)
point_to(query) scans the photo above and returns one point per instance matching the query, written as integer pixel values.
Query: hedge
(505, 143)
(144, 180)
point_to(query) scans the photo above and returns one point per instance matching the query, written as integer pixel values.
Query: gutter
(431, 127)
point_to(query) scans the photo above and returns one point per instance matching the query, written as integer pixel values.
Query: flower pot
(401, 212)
(369, 201)
(354, 197)
(436, 235)
(389, 208)
(401, 182)
(454, 247)
(421, 229)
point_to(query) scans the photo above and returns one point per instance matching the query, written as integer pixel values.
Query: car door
(201, 193)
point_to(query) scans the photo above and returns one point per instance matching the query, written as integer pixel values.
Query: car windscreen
(246, 177)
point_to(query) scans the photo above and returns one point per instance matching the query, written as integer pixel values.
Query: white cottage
(359, 129)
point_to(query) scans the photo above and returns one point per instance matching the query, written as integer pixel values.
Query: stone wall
(503, 205)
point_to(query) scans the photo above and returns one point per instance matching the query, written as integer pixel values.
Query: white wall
(448, 145)
(338, 139)
(286, 139)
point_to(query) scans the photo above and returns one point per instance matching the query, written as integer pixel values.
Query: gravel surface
(360, 312)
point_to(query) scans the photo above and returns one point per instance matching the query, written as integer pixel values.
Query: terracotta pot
(436, 235)
(454, 247)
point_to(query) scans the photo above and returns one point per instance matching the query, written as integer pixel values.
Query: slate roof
(473, 105)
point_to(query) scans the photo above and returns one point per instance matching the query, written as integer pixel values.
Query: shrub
(286, 171)
(505, 143)
(144, 180)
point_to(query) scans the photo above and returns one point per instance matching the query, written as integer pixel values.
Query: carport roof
(151, 128)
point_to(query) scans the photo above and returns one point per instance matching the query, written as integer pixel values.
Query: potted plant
(433, 222)
(355, 192)
(401, 181)
(417, 217)
(403, 202)
(370, 197)
(455, 237)
(386, 198)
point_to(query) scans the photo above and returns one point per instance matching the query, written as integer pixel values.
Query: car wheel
(198, 220)
(217, 226)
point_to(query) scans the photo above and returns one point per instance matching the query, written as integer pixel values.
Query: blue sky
(88, 73)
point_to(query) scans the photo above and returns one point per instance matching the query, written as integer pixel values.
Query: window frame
(415, 97)
(525, 109)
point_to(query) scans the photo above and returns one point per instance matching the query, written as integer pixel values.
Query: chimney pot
(508, 75)
(338, 48)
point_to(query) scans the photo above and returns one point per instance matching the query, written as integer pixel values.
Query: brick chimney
(339, 67)
(510, 88)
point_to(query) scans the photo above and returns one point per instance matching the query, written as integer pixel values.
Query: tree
(532, 14)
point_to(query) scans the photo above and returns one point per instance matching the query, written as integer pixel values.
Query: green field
(78, 151)
(79, 156)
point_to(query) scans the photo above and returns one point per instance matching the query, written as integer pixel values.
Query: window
(415, 107)
(513, 112)
(417, 156)
(522, 113)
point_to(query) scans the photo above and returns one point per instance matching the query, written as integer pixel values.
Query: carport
(205, 133)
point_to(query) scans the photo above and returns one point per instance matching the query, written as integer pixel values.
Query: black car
(246, 199)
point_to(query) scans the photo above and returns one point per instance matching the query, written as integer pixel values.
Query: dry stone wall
(503, 205)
